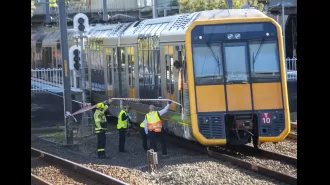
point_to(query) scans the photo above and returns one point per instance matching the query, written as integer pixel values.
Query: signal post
(81, 25)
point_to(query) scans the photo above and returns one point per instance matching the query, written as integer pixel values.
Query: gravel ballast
(286, 147)
(182, 166)
(58, 175)
(274, 165)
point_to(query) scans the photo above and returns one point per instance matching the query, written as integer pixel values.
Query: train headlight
(230, 36)
(237, 36)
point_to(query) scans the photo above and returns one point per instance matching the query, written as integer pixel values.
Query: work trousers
(156, 137)
(122, 139)
(144, 138)
(101, 141)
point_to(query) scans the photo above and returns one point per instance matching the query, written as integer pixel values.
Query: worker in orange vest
(153, 127)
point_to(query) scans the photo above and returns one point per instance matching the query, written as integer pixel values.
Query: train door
(130, 81)
(110, 58)
(178, 68)
(120, 73)
(124, 77)
(169, 74)
(54, 65)
(182, 85)
(58, 54)
(238, 88)
(47, 57)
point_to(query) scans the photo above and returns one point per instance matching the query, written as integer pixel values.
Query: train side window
(97, 67)
(264, 61)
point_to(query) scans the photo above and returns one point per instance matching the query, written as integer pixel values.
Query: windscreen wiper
(215, 57)
(258, 51)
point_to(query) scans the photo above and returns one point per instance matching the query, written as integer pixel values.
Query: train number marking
(265, 118)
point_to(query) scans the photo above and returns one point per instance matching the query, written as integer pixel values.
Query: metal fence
(291, 64)
(291, 68)
(47, 107)
(50, 79)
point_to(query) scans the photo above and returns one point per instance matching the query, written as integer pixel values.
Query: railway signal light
(76, 59)
(80, 23)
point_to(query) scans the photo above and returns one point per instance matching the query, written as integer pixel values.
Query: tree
(211, 4)
(189, 6)
(185, 6)
(257, 5)
(222, 4)
(237, 4)
(199, 5)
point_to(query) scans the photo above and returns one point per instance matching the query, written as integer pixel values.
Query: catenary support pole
(105, 10)
(47, 21)
(66, 70)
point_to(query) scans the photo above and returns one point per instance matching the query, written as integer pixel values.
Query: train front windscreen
(235, 53)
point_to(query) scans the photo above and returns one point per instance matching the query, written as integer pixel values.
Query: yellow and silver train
(226, 67)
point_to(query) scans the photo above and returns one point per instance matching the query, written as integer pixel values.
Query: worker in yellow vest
(101, 126)
(123, 123)
(52, 4)
(153, 127)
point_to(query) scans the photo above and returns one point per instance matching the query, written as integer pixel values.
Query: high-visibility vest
(154, 122)
(121, 123)
(99, 119)
(142, 125)
(52, 3)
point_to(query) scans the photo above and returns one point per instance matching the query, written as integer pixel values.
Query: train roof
(173, 28)
(167, 29)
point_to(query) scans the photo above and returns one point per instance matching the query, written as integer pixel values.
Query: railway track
(293, 134)
(63, 171)
(231, 155)
(249, 150)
